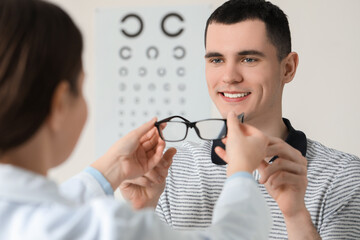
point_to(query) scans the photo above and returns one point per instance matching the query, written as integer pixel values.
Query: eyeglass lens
(211, 129)
(173, 131)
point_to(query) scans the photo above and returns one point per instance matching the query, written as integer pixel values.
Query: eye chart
(149, 62)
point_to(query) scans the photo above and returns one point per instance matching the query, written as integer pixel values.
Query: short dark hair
(40, 46)
(277, 25)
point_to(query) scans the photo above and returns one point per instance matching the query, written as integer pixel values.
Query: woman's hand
(245, 146)
(145, 191)
(132, 156)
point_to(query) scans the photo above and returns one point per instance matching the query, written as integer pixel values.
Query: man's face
(243, 72)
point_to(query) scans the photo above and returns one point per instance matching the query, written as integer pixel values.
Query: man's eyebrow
(213, 54)
(251, 52)
(241, 53)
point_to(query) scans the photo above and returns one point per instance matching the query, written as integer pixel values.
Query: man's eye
(215, 60)
(249, 60)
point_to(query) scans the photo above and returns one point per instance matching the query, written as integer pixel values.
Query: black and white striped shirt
(332, 197)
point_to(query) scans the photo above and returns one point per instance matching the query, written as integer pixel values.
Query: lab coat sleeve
(252, 219)
(240, 213)
(82, 188)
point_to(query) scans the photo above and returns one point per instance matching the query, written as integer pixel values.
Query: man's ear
(290, 64)
(59, 106)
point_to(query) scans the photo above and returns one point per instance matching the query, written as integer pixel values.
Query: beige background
(322, 100)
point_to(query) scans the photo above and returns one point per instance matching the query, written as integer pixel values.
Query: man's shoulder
(318, 152)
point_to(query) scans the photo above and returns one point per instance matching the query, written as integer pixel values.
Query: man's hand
(286, 177)
(132, 156)
(145, 191)
(286, 180)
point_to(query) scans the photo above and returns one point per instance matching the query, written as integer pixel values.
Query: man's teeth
(236, 95)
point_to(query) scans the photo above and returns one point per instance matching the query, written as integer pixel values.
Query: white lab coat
(34, 207)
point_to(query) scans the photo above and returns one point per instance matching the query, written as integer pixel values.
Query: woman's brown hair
(40, 46)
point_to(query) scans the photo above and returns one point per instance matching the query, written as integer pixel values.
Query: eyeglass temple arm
(241, 117)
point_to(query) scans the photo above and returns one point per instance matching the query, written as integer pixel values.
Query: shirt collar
(296, 139)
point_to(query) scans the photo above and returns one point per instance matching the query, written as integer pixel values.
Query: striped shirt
(332, 196)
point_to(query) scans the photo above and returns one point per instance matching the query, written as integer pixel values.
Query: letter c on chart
(179, 52)
(152, 52)
(125, 52)
(165, 31)
(141, 27)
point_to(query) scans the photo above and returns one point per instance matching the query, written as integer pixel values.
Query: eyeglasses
(175, 128)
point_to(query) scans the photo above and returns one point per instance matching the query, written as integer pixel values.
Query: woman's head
(40, 47)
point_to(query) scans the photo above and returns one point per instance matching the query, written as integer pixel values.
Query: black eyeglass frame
(189, 125)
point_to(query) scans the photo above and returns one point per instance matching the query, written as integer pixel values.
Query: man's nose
(232, 74)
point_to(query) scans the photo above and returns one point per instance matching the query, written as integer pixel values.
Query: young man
(313, 191)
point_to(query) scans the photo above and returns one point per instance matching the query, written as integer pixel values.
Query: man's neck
(272, 127)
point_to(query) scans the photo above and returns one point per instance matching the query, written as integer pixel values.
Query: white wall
(322, 100)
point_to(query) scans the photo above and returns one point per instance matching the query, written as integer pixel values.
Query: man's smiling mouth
(235, 95)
